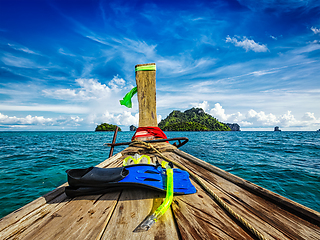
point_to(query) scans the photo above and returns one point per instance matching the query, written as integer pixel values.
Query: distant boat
(276, 129)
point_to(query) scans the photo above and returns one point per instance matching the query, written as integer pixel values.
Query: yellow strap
(136, 161)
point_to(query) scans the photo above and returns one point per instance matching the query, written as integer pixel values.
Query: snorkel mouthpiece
(146, 224)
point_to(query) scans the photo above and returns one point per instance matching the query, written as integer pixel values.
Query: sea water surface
(288, 163)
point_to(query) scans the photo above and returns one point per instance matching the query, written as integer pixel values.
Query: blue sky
(64, 65)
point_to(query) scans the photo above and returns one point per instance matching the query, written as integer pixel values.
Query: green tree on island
(106, 127)
(185, 126)
(194, 119)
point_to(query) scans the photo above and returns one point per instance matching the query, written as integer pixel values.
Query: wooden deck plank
(267, 217)
(199, 217)
(256, 222)
(24, 223)
(15, 216)
(31, 215)
(133, 207)
(298, 209)
(81, 218)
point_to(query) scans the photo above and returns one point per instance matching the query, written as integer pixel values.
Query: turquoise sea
(288, 163)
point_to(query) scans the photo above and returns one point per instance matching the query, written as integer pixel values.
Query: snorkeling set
(137, 171)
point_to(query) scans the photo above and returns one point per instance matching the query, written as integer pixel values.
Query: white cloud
(315, 30)
(261, 120)
(139, 47)
(247, 44)
(245, 123)
(280, 6)
(116, 82)
(69, 121)
(263, 72)
(131, 50)
(204, 105)
(308, 116)
(45, 108)
(126, 118)
(61, 93)
(29, 120)
(19, 62)
(89, 89)
(219, 113)
(97, 98)
(64, 52)
(22, 49)
(288, 120)
(312, 46)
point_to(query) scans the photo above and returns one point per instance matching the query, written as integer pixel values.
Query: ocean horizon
(33, 163)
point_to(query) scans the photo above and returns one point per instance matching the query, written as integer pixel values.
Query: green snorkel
(146, 224)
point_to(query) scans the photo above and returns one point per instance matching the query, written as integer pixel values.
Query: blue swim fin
(95, 180)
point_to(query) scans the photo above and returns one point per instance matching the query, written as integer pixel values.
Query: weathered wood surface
(271, 220)
(133, 207)
(199, 217)
(146, 84)
(296, 208)
(80, 218)
(6, 221)
(55, 216)
(116, 215)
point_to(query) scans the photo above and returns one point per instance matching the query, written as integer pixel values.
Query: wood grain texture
(133, 207)
(15, 216)
(30, 220)
(146, 84)
(30, 217)
(267, 217)
(298, 209)
(81, 218)
(199, 217)
(37, 203)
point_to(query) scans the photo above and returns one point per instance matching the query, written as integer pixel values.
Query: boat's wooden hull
(116, 215)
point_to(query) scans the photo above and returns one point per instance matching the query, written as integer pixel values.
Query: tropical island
(133, 128)
(194, 119)
(105, 127)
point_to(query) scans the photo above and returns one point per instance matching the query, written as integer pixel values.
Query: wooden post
(146, 84)
(113, 141)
